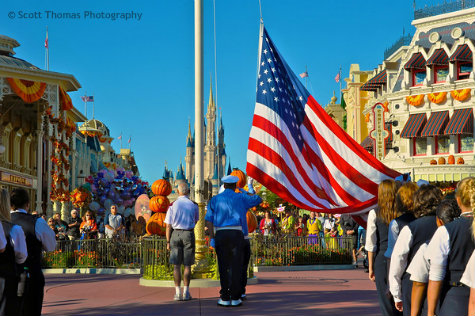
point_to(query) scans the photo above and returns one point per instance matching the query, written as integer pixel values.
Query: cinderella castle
(214, 154)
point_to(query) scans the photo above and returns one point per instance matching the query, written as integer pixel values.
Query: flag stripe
(270, 182)
(277, 160)
(348, 148)
(304, 169)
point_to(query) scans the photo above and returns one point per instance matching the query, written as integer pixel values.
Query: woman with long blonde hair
(14, 253)
(449, 252)
(377, 243)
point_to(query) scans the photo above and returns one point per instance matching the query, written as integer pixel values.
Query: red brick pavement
(338, 292)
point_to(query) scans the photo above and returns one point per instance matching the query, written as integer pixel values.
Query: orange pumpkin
(159, 204)
(161, 187)
(251, 221)
(460, 161)
(156, 224)
(242, 177)
(441, 161)
(451, 160)
(433, 162)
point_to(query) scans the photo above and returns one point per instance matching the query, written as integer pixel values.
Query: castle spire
(211, 105)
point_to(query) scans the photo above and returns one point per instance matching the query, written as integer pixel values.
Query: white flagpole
(85, 104)
(93, 106)
(47, 50)
(120, 140)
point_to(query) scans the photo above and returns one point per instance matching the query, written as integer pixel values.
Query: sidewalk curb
(304, 268)
(91, 271)
(195, 283)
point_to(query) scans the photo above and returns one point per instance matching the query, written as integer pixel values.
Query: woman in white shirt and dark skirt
(448, 254)
(377, 243)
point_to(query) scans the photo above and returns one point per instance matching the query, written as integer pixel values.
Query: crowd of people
(420, 247)
(113, 226)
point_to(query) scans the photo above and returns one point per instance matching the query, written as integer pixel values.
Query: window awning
(463, 53)
(414, 125)
(461, 122)
(417, 61)
(438, 58)
(436, 124)
(374, 83)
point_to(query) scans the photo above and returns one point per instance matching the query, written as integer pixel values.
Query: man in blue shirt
(227, 213)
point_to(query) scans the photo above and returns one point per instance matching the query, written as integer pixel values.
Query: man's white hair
(183, 188)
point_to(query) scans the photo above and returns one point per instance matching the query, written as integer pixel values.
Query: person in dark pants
(426, 200)
(39, 237)
(12, 253)
(377, 242)
(350, 231)
(448, 254)
(225, 213)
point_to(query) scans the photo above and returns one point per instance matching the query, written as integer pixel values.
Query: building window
(465, 143)
(442, 144)
(418, 77)
(419, 146)
(440, 73)
(464, 70)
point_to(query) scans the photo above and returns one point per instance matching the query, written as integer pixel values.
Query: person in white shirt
(446, 212)
(13, 251)
(377, 242)
(449, 252)
(39, 237)
(411, 237)
(468, 278)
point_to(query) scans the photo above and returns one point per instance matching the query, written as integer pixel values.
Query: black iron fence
(442, 8)
(94, 253)
(152, 257)
(290, 250)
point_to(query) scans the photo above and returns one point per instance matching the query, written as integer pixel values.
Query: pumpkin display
(161, 187)
(242, 177)
(433, 162)
(251, 221)
(156, 225)
(451, 160)
(460, 161)
(441, 161)
(159, 204)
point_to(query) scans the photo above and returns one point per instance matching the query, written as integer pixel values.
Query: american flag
(87, 98)
(303, 75)
(46, 40)
(337, 77)
(298, 152)
(130, 139)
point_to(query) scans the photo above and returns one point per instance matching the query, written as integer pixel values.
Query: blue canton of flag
(279, 89)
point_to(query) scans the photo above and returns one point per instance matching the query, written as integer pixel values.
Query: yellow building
(356, 100)
(35, 132)
(335, 111)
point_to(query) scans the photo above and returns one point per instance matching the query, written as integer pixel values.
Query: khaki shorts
(182, 247)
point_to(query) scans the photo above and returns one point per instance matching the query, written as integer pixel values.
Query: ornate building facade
(421, 109)
(214, 151)
(335, 111)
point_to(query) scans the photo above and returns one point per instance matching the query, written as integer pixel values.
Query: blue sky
(141, 72)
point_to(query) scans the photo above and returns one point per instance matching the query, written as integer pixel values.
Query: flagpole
(306, 78)
(85, 104)
(47, 50)
(340, 80)
(120, 140)
(93, 106)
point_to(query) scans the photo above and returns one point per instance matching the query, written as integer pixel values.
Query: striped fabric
(377, 81)
(436, 124)
(417, 61)
(414, 125)
(461, 122)
(463, 53)
(438, 58)
(298, 152)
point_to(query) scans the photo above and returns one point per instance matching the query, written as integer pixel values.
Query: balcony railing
(442, 8)
(402, 41)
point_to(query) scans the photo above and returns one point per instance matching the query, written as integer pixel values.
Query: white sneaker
(236, 302)
(222, 302)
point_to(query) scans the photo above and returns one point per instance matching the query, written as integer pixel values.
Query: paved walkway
(340, 292)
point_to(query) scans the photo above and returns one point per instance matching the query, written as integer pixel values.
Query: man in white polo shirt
(181, 218)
